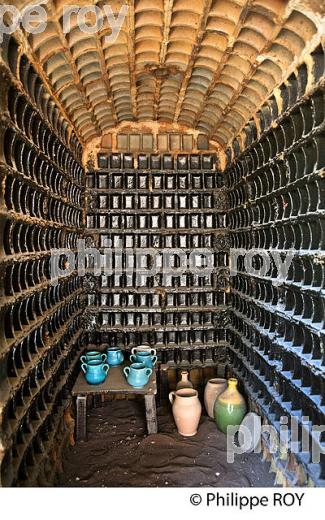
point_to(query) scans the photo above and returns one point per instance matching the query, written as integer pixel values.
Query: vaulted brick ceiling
(203, 64)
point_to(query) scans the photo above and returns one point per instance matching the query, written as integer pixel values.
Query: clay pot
(95, 372)
(137, 375)
(144, 357)
(184, 382)
(186, 410)
(115, 356)
(143, 348)
(230, 407)
(213, 389)
(93, 356)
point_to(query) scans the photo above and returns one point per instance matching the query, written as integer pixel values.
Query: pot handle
(104, 357)
(84, 368)
(133, 358)
(149, 372)
(126, 371)
(153, 352)
(83, 359)
(106, 368)
(171, 397)
(134, 351)
(154, 360)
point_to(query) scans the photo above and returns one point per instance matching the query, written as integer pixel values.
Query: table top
(115, 383)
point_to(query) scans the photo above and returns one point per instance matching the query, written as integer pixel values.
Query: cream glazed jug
(186, 411)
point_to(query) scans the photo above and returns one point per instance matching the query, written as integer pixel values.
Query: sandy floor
(120, 454)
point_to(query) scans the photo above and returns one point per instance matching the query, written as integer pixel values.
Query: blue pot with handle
(95, 372)
(144, 357)
(137, 375)
(93, 356)
(115, 356)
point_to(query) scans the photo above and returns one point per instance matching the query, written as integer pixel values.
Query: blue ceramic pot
(137, 375)
(114, 356)
(95, 372)
(93, 356)
(144, 357)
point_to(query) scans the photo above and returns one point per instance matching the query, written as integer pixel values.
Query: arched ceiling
(202, 64)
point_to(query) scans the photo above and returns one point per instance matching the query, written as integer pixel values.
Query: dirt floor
(120, 454)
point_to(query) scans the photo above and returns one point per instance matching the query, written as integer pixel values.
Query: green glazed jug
(230, 407)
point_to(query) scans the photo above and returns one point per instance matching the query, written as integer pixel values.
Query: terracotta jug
(186, 410)
(184, 382)
(230, 407)
(213, 389)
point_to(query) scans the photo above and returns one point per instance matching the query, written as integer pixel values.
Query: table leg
(164, 384)
(97, 401)
(151, 413)
(81, 423)
(158, 396)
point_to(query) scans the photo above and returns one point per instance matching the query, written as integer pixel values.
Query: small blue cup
(115, 356)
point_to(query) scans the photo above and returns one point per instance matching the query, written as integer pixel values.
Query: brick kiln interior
(199, 127)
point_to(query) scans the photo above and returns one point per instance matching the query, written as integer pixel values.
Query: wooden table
(115, 383)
